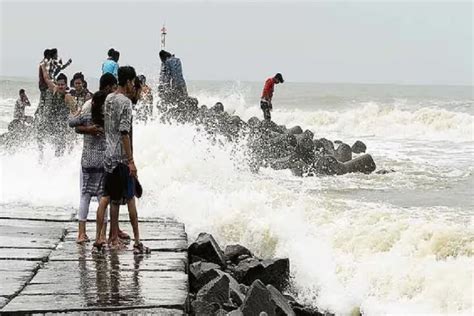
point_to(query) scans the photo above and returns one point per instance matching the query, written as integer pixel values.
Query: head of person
(78, 81)
(22, 92)
(110, 52)
(108, 83)
(47, 53)
(142, 79)
(54, 53)
(61, 83)
(137, 91)
(278, 78)
(115, 56)
(126, 80)
(164, 55)
(98, 100)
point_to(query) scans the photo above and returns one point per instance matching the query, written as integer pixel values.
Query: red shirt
(267, 93)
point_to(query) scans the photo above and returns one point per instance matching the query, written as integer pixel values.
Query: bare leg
(81, 236)
(132, 213)
(114, 216)
(104, 201)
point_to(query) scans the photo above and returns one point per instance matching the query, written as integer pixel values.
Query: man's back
(117, 119)
(173, 65)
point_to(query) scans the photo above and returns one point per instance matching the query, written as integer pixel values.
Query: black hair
(142, 79)
(106, 80)
(279, 77)
(164, 55)
(110, 52)
(77, 75)
(125, 73)
(22, 91)
(137, 84)
(115, 56)
(97, 114)
(47, 53)
(54, 51)
(61, 76)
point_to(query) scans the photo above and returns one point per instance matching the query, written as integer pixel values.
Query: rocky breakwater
(271, 145)
(235, 282)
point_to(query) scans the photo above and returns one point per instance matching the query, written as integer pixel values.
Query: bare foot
(82, 239)
(123, 235)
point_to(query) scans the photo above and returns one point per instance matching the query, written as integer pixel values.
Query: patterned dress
(52, 120)
(92, 160)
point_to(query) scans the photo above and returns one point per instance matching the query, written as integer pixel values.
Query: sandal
(139, 249)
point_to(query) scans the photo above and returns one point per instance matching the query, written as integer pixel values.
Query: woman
(80, 92)
(56, 108)
(92, 160)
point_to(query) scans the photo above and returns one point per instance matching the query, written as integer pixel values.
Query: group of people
(108, 170)
(104, 118)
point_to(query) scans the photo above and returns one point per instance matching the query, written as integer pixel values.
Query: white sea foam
(346, 254)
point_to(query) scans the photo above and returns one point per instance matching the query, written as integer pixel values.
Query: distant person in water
(267, 95)
(20, 104)
(172, 84)
(110, 65)
(121, 182)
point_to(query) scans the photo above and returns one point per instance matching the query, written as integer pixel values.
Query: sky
(330, 42)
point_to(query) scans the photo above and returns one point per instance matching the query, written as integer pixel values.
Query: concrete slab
(24, 254)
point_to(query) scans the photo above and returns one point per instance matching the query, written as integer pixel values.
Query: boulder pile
(235, 282)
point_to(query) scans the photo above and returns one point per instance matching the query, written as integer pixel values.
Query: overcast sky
(360, 42)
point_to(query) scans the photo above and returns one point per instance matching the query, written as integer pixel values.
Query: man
(267, 95)
(172, 83)
(21, 103)
(120, 170)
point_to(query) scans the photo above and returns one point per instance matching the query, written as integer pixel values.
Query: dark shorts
(119, 185)
(266, 107)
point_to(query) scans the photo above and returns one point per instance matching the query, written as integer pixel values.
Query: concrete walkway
(43, 270)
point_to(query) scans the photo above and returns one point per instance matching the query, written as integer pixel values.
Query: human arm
(81, 125)
(66, 64)
(127, 145)
(125, 127)
(47, 79)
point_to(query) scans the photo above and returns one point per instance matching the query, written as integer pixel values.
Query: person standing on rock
(121, 182)
(267, 95)
(111, 64)
(172, 85)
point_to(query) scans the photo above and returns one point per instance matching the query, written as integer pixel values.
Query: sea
(400, 243)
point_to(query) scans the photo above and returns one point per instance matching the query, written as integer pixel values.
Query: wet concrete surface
(43, 270)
